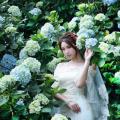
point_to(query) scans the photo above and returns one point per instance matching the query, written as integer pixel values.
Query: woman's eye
(68, 46)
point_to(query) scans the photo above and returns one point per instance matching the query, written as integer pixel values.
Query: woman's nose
(66, 51)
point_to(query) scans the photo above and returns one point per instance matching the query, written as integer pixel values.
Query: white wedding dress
(65, 77)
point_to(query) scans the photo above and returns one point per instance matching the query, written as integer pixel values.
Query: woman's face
(68, 51)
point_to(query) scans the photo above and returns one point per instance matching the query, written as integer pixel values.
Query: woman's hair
(70, 38)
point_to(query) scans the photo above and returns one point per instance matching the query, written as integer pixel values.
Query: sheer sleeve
(96, 94)
(56, 76)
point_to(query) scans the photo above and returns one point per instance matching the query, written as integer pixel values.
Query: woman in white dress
(76, 76)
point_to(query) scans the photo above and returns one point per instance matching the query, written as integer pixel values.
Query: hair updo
(70, 38)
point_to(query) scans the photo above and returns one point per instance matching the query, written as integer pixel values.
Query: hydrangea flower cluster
(73, 23)
(10, 29)
(115, 50)
(42, 99)
(100, 17)
(52, 64)
(118, 18)
(39, 4)
(2, 20)
(117, 74)
(6, 81)
(23, 54)
(86, 22)
(32, 47)
(90, 42)
(33, 64)
(104, 47)
(35, 107)
(35, 11)
(37, 104)
(61, 29)
(59, 117)
(21, 74)
(109, 2)
(110, 37)
(15, 11)
(86, 33)
(118, 13)
(48, 30)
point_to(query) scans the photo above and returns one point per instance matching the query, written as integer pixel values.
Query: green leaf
(2, 47)
(115, 80)
(30, 24)
(15, 117)
(101, 62)
(117, 91)
(46, 110)
(108, 25)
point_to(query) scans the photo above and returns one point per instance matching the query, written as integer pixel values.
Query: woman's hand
(74, 106)
(88, 54)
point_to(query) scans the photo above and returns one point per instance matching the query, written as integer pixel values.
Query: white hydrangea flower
(20, 102)
(86, 22)
(35, 11)
(104, 47)
(32, 47)
(86, 32)
(83, 36)
(91, 42)
(39, 4)
(21, 74)
(118, 24)
(10, 29)
(33, 64)
(100, 17)
(42, 98)
(78, 42)
(109, 2)
(34, 107)
(116, 51)
(47, 30)
(86, 17)
(15, 11)
(2, 87)
(2, 20)
(23, 54)
(118, 13)
(110, 37)
(75, 19)
(62, 29)
(72, 25)
(117, 74)
(59, 117)
(52, 64)
(6, 81)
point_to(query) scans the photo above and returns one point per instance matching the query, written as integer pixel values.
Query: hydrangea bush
(30, 30)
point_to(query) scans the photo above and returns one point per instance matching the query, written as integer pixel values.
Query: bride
(86, 97)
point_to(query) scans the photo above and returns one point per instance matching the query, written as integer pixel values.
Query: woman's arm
(72, 105)
(81, 80)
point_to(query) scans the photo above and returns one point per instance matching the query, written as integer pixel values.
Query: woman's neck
(77, 59)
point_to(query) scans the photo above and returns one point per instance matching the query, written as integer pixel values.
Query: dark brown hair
(69, 38)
